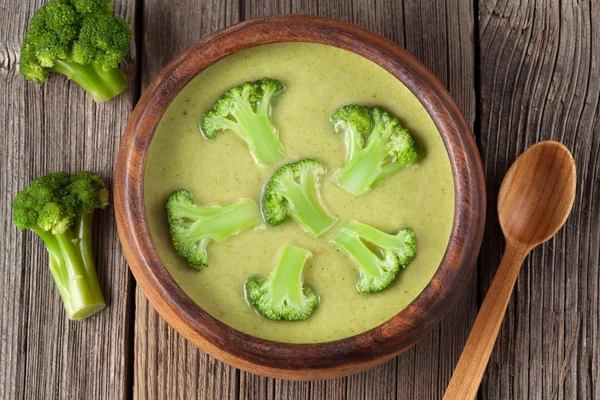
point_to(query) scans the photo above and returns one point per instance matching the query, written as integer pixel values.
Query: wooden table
(522, 71)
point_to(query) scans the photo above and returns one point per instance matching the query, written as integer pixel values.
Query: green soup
(318, 80)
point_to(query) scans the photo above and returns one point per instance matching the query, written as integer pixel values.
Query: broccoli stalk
(59, 208)
(294, 190)
(282, 295)
(100, 84)
(377, 146)
(377, 270)
(246, 110)
(80, 39)
(194, 227)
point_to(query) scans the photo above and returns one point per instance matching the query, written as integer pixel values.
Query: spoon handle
(475, 356)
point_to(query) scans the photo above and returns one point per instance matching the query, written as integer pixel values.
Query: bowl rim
(291, 360)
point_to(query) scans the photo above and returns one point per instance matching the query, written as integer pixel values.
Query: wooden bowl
(283, 360)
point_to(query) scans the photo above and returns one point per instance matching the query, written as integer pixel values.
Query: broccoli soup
(318, 80)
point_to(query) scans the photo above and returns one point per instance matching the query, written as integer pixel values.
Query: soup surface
(318, 80)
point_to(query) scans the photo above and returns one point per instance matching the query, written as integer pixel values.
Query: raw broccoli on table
(81, 39)
(378, 267)
(59, 207)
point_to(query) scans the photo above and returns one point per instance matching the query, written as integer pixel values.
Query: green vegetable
(59, 208)
(294, 190)
(246, 110)
(378, 267)
(282, 295)
(377, 146)
(194, 227)
(80, 39)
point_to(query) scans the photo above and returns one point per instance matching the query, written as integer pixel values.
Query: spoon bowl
(537, 194)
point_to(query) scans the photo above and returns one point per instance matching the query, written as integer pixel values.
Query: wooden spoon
(534, 202)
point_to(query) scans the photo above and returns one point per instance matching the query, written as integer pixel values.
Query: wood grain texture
(540, 74)
(540, 79)
(46, 128)
(166, 365)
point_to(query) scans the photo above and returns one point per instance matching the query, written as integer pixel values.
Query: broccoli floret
(282, 295)
(377, 146)
(380, 268)
(80, 39)
(194, 227)
(294, 190)
(85, 7)
(246, 110)
(59, 208)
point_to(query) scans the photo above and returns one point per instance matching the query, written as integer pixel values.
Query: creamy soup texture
(318, 80)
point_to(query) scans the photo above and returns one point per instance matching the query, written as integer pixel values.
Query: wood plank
(48, 128)
(171, 368)
(540, 79)
(166, 365)
(440, 35)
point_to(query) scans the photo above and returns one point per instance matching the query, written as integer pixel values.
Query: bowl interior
(300, 360)
(318, 80)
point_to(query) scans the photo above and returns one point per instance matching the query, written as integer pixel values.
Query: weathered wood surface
(48, 128)
(521, 71)
(540, 79)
